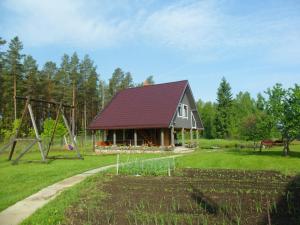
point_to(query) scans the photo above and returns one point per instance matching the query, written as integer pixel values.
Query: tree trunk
(286, 147)
(15, 94)
(73, 111)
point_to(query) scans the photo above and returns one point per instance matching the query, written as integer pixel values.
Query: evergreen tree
(2, 42)
(260, 102)
(46, 83)
(13, 78)
(30, 70)
(224, 110)
(207, 111)
(115, 82)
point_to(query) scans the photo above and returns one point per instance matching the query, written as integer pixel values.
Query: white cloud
(206, 30)
(64, 22)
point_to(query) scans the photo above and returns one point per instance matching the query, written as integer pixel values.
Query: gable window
(193, 121)
(180, 110)
(183, 111)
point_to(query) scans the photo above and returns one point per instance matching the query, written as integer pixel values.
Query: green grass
(54, 211)
(243, 159)
(22, 180)
(229, 158)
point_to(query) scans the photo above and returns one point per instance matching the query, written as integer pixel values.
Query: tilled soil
(192, 197)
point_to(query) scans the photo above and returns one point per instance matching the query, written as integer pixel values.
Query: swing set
(44, 149)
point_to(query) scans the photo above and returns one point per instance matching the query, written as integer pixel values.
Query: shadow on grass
(288, 206)
(265, 152)
(209, 205)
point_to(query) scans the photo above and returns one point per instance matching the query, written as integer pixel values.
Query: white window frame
(193, 120)
(181, 105)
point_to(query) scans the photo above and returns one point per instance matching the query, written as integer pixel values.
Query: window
(194, 125)
(180, 110)
(183, 111)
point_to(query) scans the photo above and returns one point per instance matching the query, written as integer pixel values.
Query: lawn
(231, 156)
(20, 181)
(243, 159)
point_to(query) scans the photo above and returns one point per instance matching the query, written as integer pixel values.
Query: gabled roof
(150, 106)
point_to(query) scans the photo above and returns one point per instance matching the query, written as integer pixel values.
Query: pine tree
(46, 83)
(30, 71)
(13, 78)
(224, 110)
(74, 79)
(2, 42)
(115, 82)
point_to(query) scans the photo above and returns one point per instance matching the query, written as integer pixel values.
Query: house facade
(152, 115)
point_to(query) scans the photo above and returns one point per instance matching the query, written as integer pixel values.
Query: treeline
(242, 117)
(74, 81)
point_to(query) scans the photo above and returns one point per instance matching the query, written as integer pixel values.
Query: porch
(149, 137)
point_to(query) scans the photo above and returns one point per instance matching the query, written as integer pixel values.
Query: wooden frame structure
(44, 151)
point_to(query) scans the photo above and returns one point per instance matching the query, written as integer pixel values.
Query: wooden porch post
(162, 138)
(135, 137)
(191, 135)
(123, 136)
(114, 138)
(93, 137)
(172, 137)
(197, 136)
(182, 137)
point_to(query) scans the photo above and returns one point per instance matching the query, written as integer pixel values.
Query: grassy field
(243, 159)
(230, 155)
(24, 179)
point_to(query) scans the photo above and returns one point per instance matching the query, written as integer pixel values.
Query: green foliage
(224, 110)
(8, 133)
(208, 113)
(48, 127)
(284, 107)
(256, 127)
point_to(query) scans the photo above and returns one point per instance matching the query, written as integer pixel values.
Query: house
(150, 115)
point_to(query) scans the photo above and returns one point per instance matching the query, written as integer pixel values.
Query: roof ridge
(151, 85)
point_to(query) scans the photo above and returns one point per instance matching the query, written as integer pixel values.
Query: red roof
(150, 106)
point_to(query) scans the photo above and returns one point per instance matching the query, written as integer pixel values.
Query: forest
(272, 114)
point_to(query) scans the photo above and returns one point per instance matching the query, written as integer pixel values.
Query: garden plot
(192, 197)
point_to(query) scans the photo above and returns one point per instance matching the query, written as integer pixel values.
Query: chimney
(146, 83)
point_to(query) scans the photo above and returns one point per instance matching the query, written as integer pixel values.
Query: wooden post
(182, 137)
(104, 135)
(93, 137)
(191, 135)
(172, 137)
(36, 132)
(162, 138)
(114, 138)
(197, 136)
(135, 137)
(123, 136)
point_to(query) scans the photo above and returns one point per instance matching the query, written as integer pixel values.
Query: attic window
(183, 111)
(180, 110)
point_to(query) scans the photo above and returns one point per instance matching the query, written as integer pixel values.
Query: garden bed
(192, 196)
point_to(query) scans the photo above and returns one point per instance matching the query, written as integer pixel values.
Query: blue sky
(254, 44)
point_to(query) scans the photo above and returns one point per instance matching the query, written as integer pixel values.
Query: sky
(252, 43)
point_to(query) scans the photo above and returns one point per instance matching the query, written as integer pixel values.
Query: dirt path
(16, 213)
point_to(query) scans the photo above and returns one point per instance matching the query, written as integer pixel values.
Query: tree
(2, 42)
(255, 127)
(46, 83)
(30, 70)
(224, 110)
(260, 102)
(284, 107)
(208, 112)
(14, 67)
